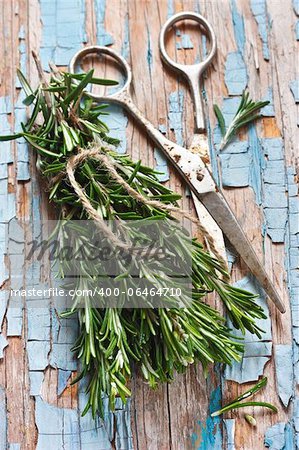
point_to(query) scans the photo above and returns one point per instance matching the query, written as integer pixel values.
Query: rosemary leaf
(247, 112)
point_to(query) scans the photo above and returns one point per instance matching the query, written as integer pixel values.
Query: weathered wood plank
(175, 416)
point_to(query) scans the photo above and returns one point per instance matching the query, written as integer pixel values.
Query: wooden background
(256, 48)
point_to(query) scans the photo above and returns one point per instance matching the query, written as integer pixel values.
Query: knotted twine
(100, 154)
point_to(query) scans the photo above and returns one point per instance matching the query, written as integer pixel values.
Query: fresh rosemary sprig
(236, 403)
(247, 112)
(64, 124)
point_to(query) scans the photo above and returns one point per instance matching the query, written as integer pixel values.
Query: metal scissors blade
(218, 207)
(190, 165)
(213, 200)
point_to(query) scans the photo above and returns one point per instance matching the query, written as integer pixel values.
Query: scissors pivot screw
(199, 175)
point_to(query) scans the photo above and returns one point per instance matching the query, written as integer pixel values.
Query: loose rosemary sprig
(247, 112)
(236, 403)
(158, 341)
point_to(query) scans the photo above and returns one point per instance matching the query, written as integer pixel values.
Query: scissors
(192, 165)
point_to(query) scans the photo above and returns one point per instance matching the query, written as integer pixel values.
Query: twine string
(98, 153)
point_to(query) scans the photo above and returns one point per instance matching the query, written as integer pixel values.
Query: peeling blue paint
(3, 419)
(235, 169)
(211, 435)
(15, 251)
(94, 433)
(284, 372)
(7, 200)
(7, 206)
(60, 426)
(103, 38)
(63, 378)
(235, 147)
(275, 437)
(294, 86)
(38, 321)
(257, 352)
(123, 435)
(175, 115)
(62, 32)
(3, 345)
(117, 123)
(125, 49)
(23, 56)
(5, 108)
(275, 202)
(184, 43)
(14, 317)
(38, 352)
(292, 265)
(62, 357)
(274, 172)
(259, 10)
(243, 162)
(161, 165)
(292, 259)
(268, 110)
(20, 115)
(257, 163)
(170, 8)
(296, 420)
(235, 158)
(289, 437)
(3, 305)
(229, 108)
(235, 73)
(64, 334)
(36, 381)
(161, 160)
(238, 23)
(230, 433)
(99, 434)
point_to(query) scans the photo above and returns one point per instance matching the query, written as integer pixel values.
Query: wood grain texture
(175, 416)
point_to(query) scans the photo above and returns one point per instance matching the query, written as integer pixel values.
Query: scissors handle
(189, 164)
(193, 72)
(98, 50)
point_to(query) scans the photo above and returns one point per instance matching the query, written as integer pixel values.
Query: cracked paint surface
(253, 162)
(235, 73)
(175, 123)
(259, 10)
(62, 32)
(209, 436)
(257, 351)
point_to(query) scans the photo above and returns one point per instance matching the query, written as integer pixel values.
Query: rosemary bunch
(88, 179)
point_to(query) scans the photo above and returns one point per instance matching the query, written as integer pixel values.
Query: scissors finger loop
(185, 16)
(98, 50)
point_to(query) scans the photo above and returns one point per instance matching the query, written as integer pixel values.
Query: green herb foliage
(236, 403)
(111, 342)
(247, 112)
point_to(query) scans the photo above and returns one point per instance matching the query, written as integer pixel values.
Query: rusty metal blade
(221, 212)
